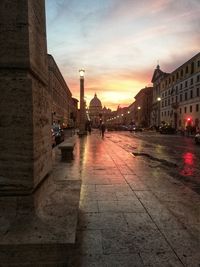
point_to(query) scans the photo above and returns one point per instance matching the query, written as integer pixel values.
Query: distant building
(158, 75)
(143, 107)
(96, 113)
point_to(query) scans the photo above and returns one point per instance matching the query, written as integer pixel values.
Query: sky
(119, 43)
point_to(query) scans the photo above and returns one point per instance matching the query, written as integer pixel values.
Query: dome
(95, 102)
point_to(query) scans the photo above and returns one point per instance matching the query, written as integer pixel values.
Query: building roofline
(191, 59)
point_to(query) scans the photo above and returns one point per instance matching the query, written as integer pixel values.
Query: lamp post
(139, 115)
(82, 130)
(158, 111)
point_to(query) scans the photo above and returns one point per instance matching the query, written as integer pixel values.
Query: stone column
(25, 113)
(82, 130)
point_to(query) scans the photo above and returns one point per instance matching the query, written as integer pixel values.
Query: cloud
(119, 42)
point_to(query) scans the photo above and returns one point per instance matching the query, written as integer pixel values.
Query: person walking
(103, 129)
(89, 128)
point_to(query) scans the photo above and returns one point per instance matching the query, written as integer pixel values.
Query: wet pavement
(130, 213)
(179, 156)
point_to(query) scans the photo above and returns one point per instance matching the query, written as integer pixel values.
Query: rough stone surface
(25, 114)
(43, 232)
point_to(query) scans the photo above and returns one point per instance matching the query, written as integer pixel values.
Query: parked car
(121, 128)
(134, 128)
(59, 134)
(167, 129)
(117, 128)
(197, 138)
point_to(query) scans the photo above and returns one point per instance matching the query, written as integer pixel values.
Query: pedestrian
(89, 128)
(103, 129)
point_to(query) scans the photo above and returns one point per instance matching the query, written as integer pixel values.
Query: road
(178, 155)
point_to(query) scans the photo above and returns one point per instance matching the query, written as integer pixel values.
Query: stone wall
(25, 108)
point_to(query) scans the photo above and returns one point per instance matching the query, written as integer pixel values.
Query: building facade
(158, 75)
(95, 111)
(96, 114)
(143, 107)
(180, 95)
(63, 106)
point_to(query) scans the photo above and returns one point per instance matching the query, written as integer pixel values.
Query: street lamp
(138, 115)
(158, 111)
(82, 130)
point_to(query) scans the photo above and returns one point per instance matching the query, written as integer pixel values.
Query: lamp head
(82, 73)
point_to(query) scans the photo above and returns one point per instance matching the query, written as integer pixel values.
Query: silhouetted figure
(103, 129)
(89, 128)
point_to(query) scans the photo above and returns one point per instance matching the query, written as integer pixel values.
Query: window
(197, 107)
(168, 113)
(185, 109)
(190, 108)
(176, 98)
(177, 75)
(176, 90)
(191, 81)
(198, 78)
(186, 84)
(192, 67)
(168, 101)
(181, 72)
(185, 95)
(186, 70)
(181, 98)
(181, 86)
(180, 110)
(191, 94)
(197, 91)
(198, 63)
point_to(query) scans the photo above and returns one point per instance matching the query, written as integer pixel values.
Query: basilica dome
(95, 103)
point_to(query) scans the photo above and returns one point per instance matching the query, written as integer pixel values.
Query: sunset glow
(119, 43)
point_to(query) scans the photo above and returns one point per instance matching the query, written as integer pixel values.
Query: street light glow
(82, 73)
(139, 107)
(158, 98)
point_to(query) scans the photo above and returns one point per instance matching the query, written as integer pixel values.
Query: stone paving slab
(127, 216)
(130, 213)
(51, 220)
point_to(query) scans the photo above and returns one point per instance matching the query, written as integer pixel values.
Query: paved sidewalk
(132, 214)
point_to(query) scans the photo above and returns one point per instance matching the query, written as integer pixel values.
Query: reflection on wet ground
(188, 167)
(178, 155)
(131, 211)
